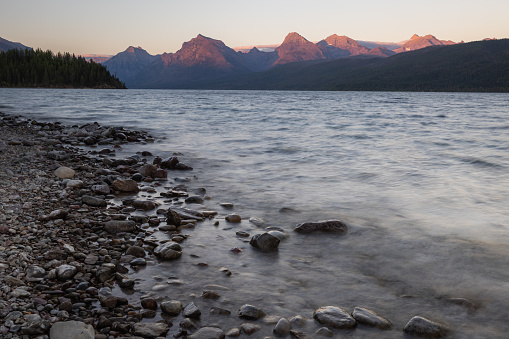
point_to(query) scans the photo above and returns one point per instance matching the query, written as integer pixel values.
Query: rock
(183, 167)
(149, 303)
(160, 173)
(172, 218)
(76, 184)
(219, 311)
(336, 317)
(117, 226)
(145, 205)
(249, 328)
(66, 272)
(93, 201)
(298, 321)
(194, 199)
(20, 293)
(71, 329)
(147, 170)
(265, 242)
(138, 262)
(210, 295)
(234, 332)
(250, 312)
(150, 330)
(36, 327)
(34, 271)
(282, 327)
(208, 333)
(169, 163)
(136, 251)
(324, 225)
(127, 185)
(370, 318)
(101, 189)
(58, 214)
(425, 328)
(172, 307)
(168, 251)
(64, 172)
(324, 332)
(233, 217)
(192, 311)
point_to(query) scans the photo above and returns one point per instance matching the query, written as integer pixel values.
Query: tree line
(38, 68)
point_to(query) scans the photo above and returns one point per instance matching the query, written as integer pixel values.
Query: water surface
(422, 179)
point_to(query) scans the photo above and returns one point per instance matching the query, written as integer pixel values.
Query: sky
(110, 26)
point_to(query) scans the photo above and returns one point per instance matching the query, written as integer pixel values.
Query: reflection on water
(421, 179)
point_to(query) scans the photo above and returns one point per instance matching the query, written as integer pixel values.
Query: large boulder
(370, 318)
(336, 226)
(168, 251)
(423, 327)
(336, 317)
(71, 329)
(265, 242)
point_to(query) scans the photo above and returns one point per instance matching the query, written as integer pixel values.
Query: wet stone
(93, 201)
(171, 307)
(336, 317)
(168, 251)
(233, 218)
(423, 327)
(335, 226)
(208, 333)
(370, 318)
(191, 311)
(265, 242)
(250, 312)
(282, 328)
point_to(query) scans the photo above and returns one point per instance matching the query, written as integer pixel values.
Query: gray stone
(282, 327)
(117, 226)
(324, 332)
(336, 226)
(192, 311)
(93, 201)
(20, 293)
(35, 327)
(34, 271)
(265, 242)
(101, 189)
(249, 328)
(150, 330)
(74, 184)
(298, 321)
(234, 332)
(208, 333)
(71, 329)
(64, 172)
(171, 307)
(66, 272)
(250, 312)
(168, 251)
(426, 328)
(136, 251)
(370, 318)
(333, 316)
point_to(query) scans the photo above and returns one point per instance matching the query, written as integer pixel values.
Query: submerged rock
(370, 318)
(265, 242)
(336, 317)
(282, 327)
(150, 330)
(324, 225)
(208, 333)
(250, 312)
(168, 251)
(425, 328)
(233, 217)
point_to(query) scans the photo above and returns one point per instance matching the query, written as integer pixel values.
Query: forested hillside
(29, 68)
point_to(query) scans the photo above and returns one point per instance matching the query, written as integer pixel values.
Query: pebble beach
(76, 221)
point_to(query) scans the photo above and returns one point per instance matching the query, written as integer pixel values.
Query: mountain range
(6, 45)
(334, 63)
(204, 59)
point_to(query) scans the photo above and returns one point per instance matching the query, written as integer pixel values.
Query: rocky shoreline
(69, 233)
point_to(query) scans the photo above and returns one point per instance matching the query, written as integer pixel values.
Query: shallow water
(422, 179)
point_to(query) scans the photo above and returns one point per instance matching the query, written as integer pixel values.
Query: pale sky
(110, 26)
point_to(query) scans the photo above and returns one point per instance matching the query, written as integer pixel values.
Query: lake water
(421, 179)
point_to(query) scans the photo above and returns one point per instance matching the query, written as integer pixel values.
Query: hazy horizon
(97, 27)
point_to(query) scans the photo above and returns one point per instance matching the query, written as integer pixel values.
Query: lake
(421, 179)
